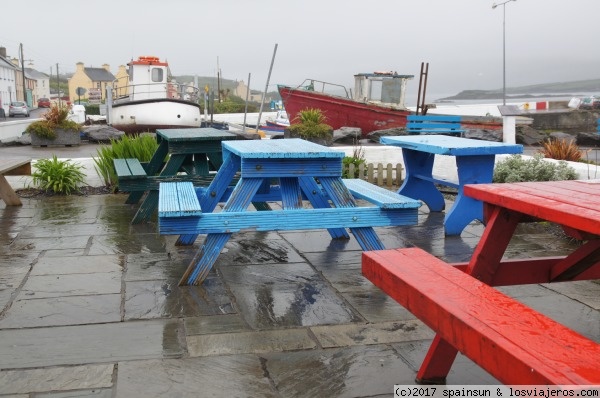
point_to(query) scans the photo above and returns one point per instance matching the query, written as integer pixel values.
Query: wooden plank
(280, 220)
(15, 166)
(563, 209)
(292, 148)
(135, 167)
(441, 118)
(178, 199)
(448, 145)
(511, 341)
(434, 126)
(129, 169)
(382, 197)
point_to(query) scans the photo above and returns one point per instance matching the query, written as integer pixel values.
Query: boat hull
(343, 112)
(369, 117)
(149, 115)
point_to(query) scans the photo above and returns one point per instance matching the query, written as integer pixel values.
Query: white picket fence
(384, 176)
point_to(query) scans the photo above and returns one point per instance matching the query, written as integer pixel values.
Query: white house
(41, 86)
(8, 81)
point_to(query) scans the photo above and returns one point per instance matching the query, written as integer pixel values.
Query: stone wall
(567, 121)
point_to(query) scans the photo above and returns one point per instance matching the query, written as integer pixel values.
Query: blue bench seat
(434, 124)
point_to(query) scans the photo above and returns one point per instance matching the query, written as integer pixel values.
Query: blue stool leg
(421, 164)
(471, 170)
(207, 256)
(340, 196)
(204, 259)
(313, 192)
(214, 192)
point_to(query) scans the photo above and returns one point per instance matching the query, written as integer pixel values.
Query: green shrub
(357, 158)
(233, 104)
(516, 169)
(141, 147)
(58, 176)
(310, 123)
(54, 118)
(92, 109)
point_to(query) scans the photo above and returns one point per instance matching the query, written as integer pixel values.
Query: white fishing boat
(151, 100)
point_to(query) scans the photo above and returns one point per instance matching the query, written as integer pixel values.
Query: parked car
(18, 108)
(592, 102)
(44, 103)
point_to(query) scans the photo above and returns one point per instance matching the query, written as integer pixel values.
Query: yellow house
(93, 80)
(121, 83)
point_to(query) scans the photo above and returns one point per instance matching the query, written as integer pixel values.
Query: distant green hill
(557, 89)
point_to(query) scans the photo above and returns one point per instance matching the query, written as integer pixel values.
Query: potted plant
(310, 124)
(55, 128)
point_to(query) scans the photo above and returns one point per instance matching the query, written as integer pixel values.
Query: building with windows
(8, 81)
(38, 83)
(93, 80)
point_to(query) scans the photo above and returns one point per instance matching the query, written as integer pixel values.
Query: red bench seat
(511, 341)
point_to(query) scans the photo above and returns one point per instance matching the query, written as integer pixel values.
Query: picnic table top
(448, 145)
(195, 134)
(574, 203)
(280, 149)
(9, 163)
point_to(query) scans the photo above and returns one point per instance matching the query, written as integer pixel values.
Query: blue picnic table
(289, 171)
(474, 165)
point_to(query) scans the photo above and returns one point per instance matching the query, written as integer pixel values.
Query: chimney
(106, 67)
(3, 52)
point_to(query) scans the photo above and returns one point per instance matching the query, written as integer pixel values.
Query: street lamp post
(503, 4)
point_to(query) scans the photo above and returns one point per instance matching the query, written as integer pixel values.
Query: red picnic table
(513, 342)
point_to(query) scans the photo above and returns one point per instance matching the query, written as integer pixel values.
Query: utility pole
(23, 72)
(58, 85)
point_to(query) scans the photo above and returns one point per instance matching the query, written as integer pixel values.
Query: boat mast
(262, 102)
(246, 105)
(423, 85)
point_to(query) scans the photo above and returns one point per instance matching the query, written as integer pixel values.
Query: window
(157, 75)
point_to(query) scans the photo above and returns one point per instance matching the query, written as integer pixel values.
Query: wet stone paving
(90, 307)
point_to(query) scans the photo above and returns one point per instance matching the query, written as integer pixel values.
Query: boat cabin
(148, 79)
(381, 88)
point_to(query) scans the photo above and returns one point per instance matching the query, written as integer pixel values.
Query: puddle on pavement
(285, 295)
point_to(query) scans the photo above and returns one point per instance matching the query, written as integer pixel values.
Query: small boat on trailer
(377, 103)
(151, 100)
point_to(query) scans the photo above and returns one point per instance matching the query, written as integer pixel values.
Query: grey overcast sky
(331, 40)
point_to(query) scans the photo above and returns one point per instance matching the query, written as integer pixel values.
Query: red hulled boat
(377, 103)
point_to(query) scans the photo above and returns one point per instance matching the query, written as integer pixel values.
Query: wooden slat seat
(511, 341)
(178, 200)
(382, 197)
(434, 124)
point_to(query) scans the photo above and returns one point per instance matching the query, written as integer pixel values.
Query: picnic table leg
(437, 362)
(483, 265)
(206, 257)
(312, 190)
(342, 198)
(150, 203)
(471, 170)
(421, 163)
(151, 169)
(215, 160)
(201, 164)
(264, 188)
(214, 192)
(7, 194)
